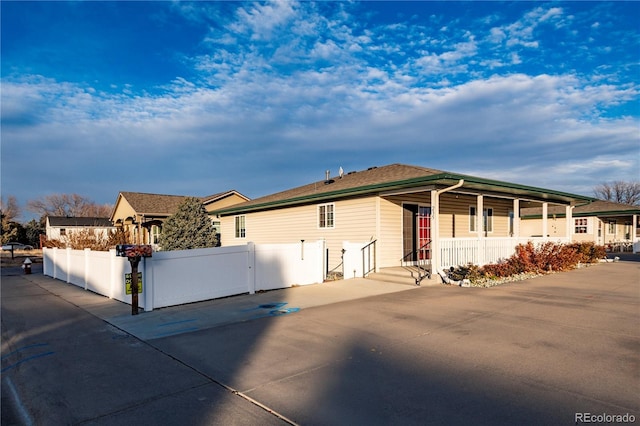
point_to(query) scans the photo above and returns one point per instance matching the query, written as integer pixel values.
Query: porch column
(516, 218)
(634, 235)
(480, 228)
(545, 214)
(569, 224)
(435, 231)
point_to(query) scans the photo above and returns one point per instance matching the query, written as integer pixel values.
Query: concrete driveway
(541, 351)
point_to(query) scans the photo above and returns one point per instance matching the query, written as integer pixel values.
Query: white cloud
(254, 100)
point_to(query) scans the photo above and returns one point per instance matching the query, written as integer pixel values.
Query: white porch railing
(481, 251)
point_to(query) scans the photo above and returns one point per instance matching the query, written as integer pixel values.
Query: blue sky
(202, 97)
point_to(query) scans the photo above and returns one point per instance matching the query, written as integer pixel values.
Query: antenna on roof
(341, 172)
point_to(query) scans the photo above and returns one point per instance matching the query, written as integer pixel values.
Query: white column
(569, 224)
(516, 218)
(435, 232)
(480, 228)
(634, 236)
(545, 224)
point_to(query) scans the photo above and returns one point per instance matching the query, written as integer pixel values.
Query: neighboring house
(409, 213)
(60, 227)
(603, 222)
(142, 215)
(220, 201)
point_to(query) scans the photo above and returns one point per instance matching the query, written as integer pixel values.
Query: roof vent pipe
(327, 174)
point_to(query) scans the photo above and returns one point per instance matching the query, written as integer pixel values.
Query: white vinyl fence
(184, 276)
(462, 251)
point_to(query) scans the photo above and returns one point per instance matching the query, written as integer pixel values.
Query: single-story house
(403, 214)
(60, 227)
(142, 214)
(613, 225)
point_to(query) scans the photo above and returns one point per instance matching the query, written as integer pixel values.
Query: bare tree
(73, 205)
(9, 212)
(619, 192)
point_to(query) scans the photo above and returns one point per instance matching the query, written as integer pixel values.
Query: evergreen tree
(189, 228)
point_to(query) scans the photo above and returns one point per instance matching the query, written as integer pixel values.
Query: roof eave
(445, 179)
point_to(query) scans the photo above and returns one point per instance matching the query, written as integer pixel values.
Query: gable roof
(153, 204)
(595, 208)
(388, 178)
(219, 196)
(85, 222)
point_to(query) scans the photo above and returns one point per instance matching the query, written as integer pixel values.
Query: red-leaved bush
(543, 258)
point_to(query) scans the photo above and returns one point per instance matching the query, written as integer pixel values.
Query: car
(16, 246)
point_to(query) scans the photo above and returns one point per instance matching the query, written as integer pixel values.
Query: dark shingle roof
(79, 221)
(598, 207)
(151, 204)
(392, 177)
(371, 176)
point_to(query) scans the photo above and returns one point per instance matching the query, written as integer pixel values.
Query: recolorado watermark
(604, 418)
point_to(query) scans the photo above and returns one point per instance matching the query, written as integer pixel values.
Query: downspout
(435, 239)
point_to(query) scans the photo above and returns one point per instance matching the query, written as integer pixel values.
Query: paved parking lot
(533, 352)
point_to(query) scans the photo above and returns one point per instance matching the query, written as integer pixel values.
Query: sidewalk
(213, 313)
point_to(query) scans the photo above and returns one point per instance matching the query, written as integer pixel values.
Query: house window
(326, 215)
(241, 230)
(487, 219)
(611, 227)
(63, 232)
(581, 225)
(155, 234)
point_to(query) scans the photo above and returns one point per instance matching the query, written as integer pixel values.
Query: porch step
(401, 275)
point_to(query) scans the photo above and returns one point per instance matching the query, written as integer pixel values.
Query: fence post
(251, 260)
(87, 259)
(112, 272)
(54, 262)
(147, 276)
(68, 262)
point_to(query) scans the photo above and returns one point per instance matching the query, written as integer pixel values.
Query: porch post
(545, 214)
(516, 218)
(634, 235)
(569, 224)
(480, 229)
(435, 231)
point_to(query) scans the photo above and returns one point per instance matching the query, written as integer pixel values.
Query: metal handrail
(422, 272)
(415, 251)
(368, 248)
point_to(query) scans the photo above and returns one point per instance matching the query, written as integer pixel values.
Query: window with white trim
(241, 230)
(326, 218)
(155, 234)
(611, 227)
(581, 225)
(487, 219)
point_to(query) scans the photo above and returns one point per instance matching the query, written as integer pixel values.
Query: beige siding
(225, 202)
(389, 246)
(454, 215)
(355, 221)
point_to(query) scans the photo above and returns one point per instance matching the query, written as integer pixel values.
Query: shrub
(529, 259)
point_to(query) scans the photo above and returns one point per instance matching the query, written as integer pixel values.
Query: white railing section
(184, 276)
(481, 251)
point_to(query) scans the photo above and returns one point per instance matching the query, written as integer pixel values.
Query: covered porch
(464, 222)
